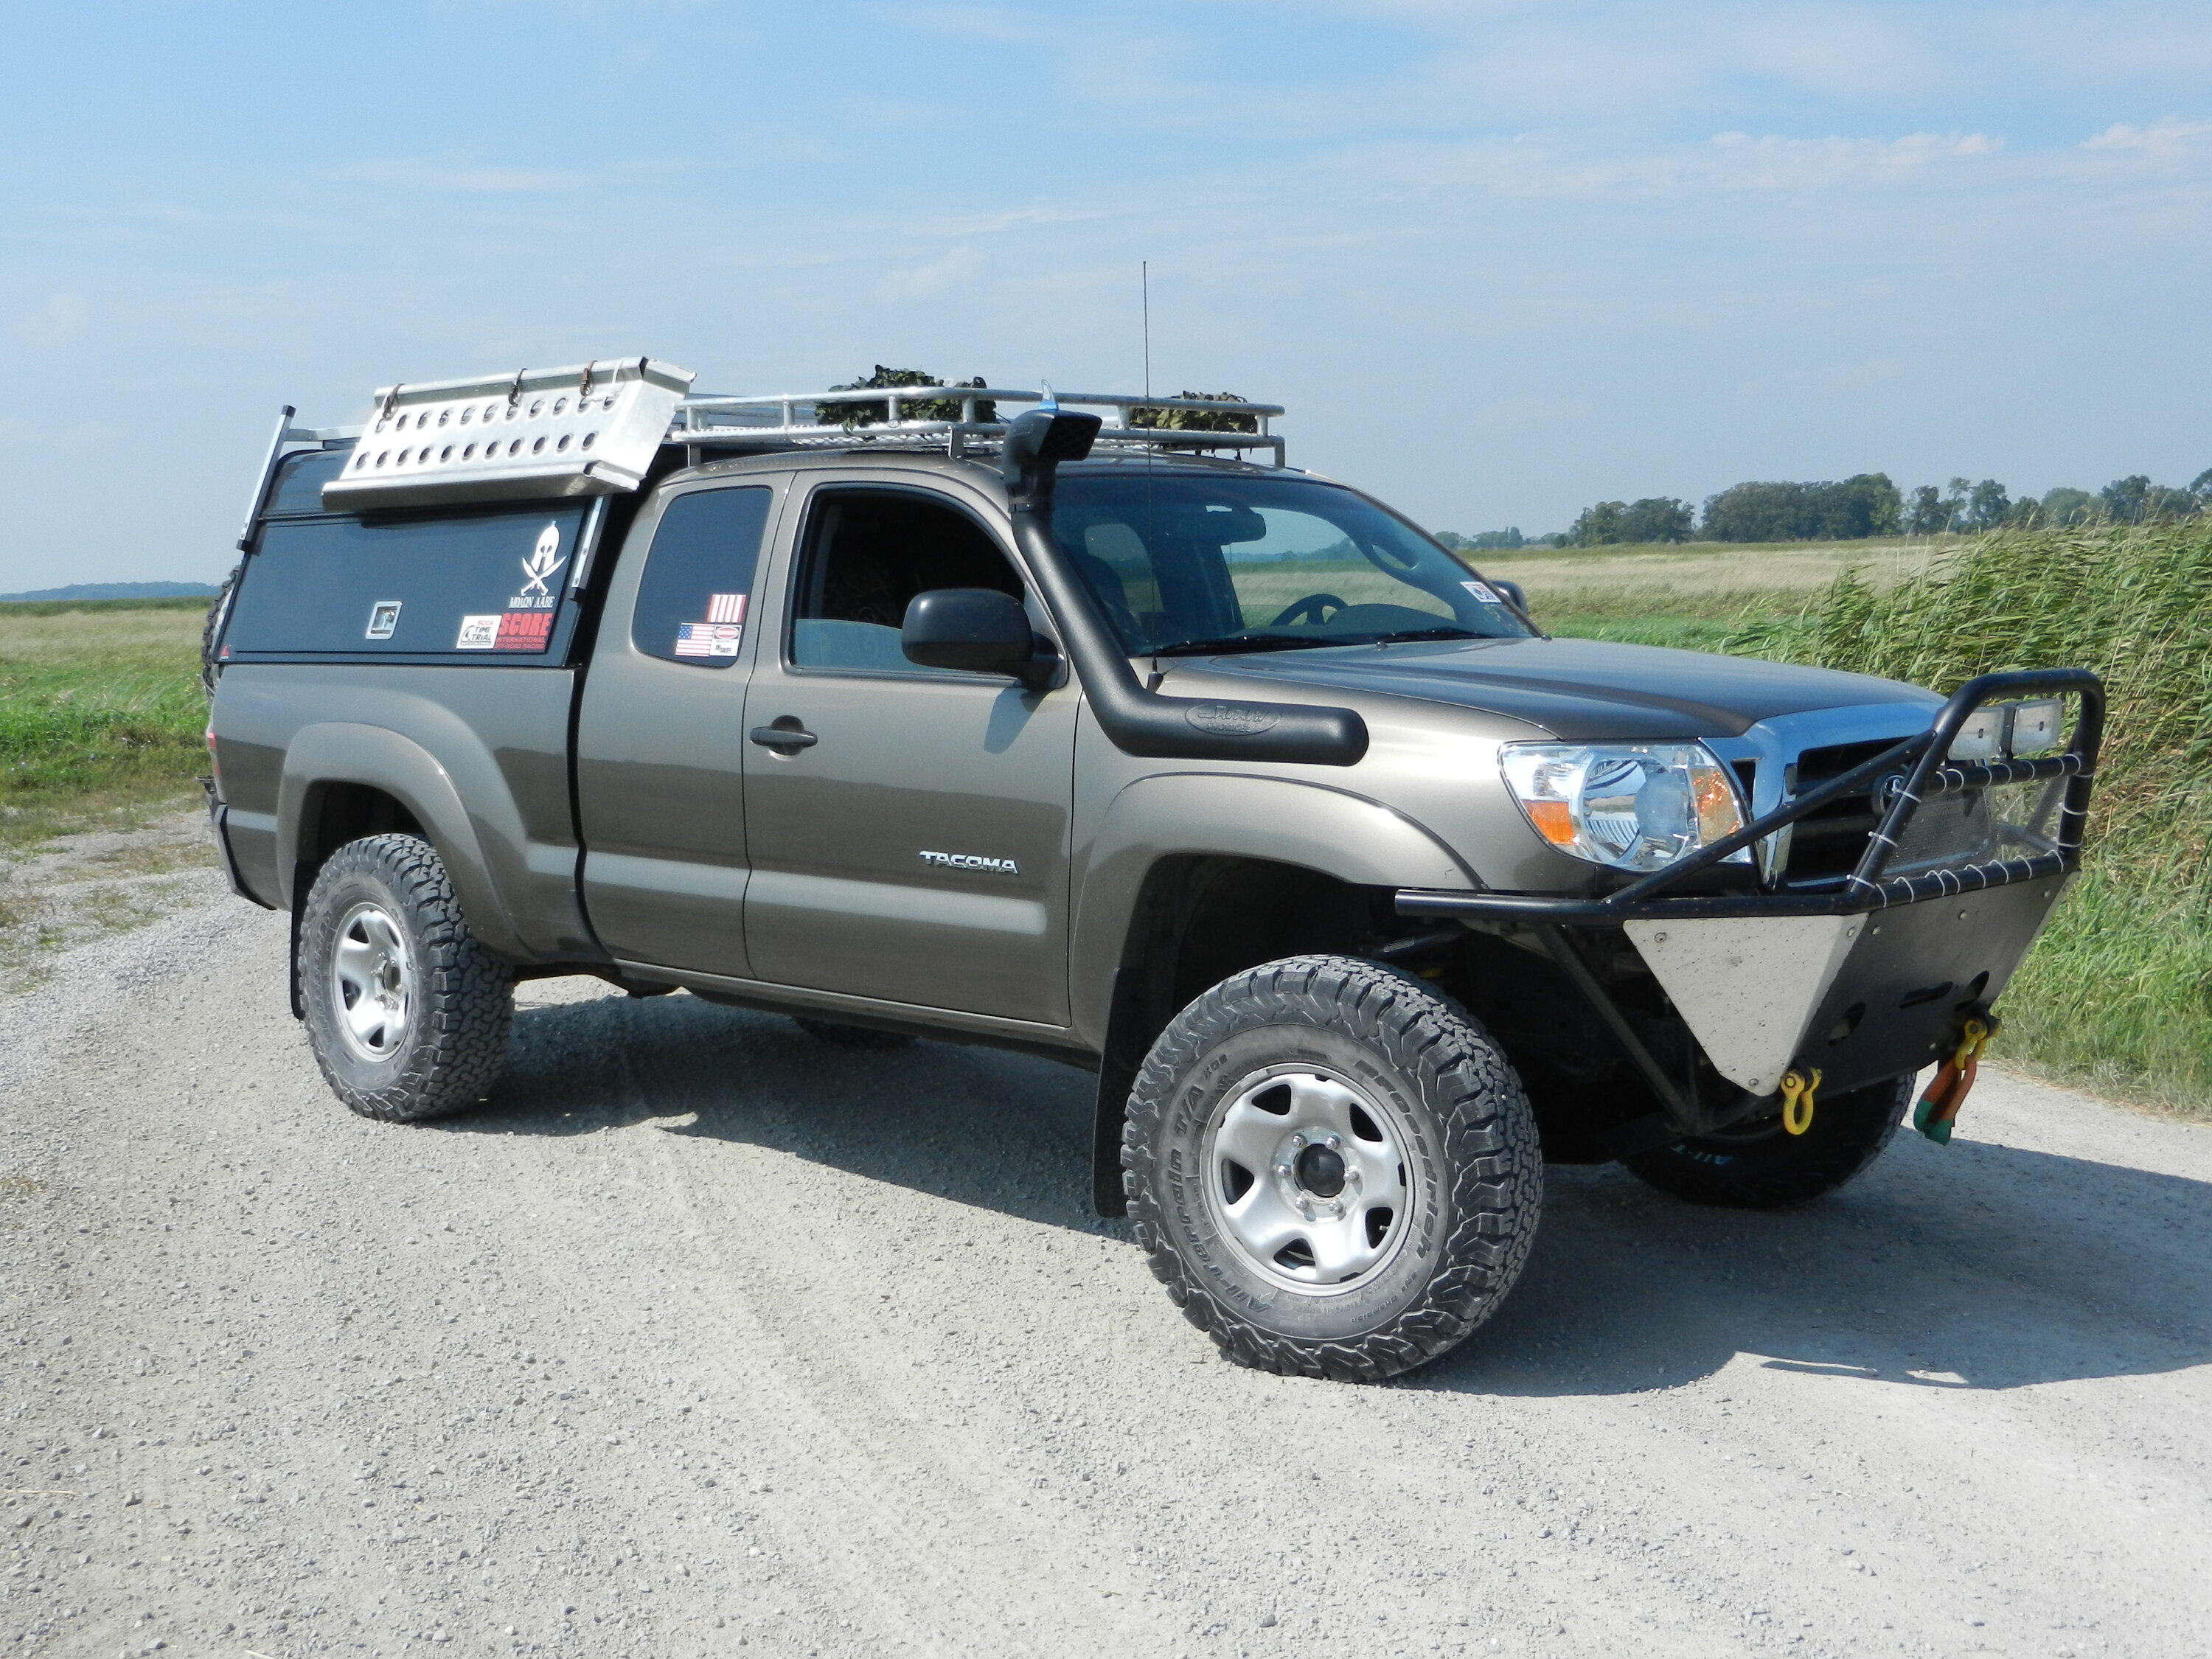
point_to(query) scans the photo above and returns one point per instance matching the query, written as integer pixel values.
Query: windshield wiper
(1410, 634)
(1226, 643)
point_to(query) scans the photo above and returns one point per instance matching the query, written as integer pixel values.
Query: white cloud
(63, 318)
(949, 269)
(2169, 137)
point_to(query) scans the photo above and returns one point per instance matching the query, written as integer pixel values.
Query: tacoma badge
(971, 861)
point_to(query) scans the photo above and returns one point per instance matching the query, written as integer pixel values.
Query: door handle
(793, 736)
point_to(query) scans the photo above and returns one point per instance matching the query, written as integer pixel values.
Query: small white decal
(726, 607)
(479, 633)
(383, 618)
(543, 561)
(1484, 592)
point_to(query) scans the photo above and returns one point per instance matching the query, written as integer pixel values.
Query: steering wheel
(1311, 605)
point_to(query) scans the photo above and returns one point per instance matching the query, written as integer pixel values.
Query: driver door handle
(779, 736)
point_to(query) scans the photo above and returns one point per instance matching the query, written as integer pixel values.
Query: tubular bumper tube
(1138, 721)
(1865, 983)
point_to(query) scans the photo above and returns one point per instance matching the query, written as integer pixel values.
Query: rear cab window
(697, 587)
(485, 584)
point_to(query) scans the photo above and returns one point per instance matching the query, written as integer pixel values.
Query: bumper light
(1627, 805)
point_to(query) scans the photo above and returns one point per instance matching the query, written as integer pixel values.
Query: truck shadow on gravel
(1002, 1131)
(1976, 1267)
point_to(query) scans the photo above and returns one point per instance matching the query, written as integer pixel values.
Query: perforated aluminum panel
(587, 429)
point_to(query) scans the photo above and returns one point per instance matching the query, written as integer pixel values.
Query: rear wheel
(1331, 1168)
(407, 1015)
(1761, 1166)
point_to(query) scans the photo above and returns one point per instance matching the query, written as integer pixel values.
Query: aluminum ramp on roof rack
(587, 429)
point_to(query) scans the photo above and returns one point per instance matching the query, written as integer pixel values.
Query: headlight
(1631, 806)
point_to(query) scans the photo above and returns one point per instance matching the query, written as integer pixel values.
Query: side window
(486, 586)
(698, 581)
(868, 553)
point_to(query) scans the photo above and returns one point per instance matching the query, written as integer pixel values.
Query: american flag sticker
(726, 607)
(709, 639)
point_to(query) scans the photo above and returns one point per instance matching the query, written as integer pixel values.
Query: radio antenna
(1144, 286)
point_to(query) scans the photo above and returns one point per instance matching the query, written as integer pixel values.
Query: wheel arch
(1158, 828)
(342, 780)
(1195, 877)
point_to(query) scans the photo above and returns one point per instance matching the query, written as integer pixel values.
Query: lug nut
(1283, 1170)
(1298, 1140)
(1331, 1141)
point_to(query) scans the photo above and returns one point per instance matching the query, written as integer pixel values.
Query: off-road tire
(1474, 1166)
(850, 1037)
(453, 1045)
(1763, 1167)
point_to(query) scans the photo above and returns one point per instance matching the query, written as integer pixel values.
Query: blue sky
(1500, 259)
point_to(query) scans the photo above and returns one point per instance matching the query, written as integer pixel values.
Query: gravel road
(702, 1336)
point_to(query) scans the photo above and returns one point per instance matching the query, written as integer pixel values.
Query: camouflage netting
(925, 409)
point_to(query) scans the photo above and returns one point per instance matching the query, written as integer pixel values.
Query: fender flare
(1336, 831)
(335, 752)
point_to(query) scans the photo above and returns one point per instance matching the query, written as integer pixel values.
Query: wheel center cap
(1320, 1171)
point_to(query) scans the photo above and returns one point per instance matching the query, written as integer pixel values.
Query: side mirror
(1511, 590)
(977, 630)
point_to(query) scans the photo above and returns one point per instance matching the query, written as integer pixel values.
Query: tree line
(1864, 504)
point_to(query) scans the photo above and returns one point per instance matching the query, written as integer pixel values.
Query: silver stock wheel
(370, 983)
(1331, 1168)
(406, 1012)
(1307, 1178)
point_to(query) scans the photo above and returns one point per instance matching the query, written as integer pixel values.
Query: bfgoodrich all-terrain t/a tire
(1760, 1166)
(407, 1015)
(1331, 1168)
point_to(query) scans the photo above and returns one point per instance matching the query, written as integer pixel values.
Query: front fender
(343, 752)
(1318, 827)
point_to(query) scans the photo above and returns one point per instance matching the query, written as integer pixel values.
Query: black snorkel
(1141, 722)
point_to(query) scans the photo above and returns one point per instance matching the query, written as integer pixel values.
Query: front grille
(1826, 845)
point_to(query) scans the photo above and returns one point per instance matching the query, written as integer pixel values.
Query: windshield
(1187, 563)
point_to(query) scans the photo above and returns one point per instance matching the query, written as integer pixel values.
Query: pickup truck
(1089, 727)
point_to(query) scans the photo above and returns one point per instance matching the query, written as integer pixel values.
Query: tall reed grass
(2118, 992)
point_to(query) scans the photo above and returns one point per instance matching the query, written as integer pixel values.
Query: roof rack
(592, 428)
(797, 421)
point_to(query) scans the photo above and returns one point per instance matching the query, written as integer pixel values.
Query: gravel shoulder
(702, 1336)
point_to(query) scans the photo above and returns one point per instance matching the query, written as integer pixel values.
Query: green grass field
(100, 712)
(100, 719)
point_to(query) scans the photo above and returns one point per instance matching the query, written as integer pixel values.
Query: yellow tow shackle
(1974, 1037)
(1797, 1100)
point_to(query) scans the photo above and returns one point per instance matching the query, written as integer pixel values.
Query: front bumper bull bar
(1867, 980)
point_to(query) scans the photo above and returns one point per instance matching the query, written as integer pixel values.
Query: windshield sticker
(726, 607)
(383, 619)
(542, 562)
(524, 631)
(479, 633)
(1484, 592)
(708, 639)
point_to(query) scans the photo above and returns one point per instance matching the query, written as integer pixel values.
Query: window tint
(698, 581)
(485, 586)
(299, 480)
(868, 553)
(1181, 561)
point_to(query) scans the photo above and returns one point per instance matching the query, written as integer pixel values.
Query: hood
(1579, 690)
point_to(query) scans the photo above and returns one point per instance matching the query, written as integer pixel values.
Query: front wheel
(407, 1015)
(1332, 1168)
(1761, 1166)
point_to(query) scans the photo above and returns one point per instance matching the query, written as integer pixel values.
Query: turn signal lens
(1632, 806)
